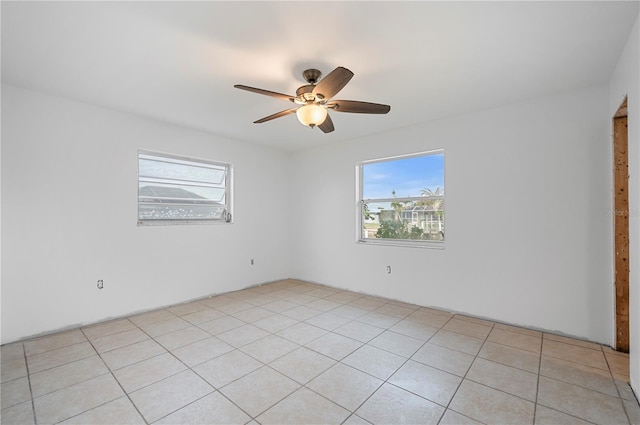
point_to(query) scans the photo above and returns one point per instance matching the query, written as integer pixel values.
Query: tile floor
(292, 352)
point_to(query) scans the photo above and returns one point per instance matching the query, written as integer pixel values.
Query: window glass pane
(404, 220)
(169, 168)
(404, 177)
(168, 192)
(180, 212)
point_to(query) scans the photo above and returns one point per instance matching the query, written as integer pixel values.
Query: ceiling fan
(314, 99)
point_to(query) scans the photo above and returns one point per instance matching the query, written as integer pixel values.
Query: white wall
(542, 167)
(626, 82)
(69, 197)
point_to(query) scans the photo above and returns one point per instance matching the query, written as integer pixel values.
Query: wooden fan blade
(327, 125)
(330, 85)
(265, 92)
(357, 107)
(276, 115)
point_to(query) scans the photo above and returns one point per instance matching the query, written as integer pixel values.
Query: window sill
(142, 223)
(403, 242)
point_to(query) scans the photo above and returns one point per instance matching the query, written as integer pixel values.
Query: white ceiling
(178, 61)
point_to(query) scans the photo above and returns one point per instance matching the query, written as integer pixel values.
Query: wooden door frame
(621, 225)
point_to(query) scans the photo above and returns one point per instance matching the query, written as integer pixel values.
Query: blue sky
(407, 176)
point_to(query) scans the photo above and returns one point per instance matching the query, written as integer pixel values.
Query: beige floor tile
(546, 416)
(396, 343)
(456, 341)
(14, 392)
(428, 318)
(242, 335)
(328, 321)
(572, 341)
(119, 340)
(392, 405)
(378, 319)
(324, 305)
(51, 342)
(201, 351)
(359, 331)
(167, 396)
(182, 337)
(516, 340)
(355, 420)
(504, 378)
(367, 303)
(131, 354)
(304, 407)
(302, 365)
(119, 411)
(13, 369)
(451, 417)
(212, 409)
(618, 364)
(426, 381)
(299, 313)
(302, 333)
(252, 314)
(11, 352)
(345, 386)
(414, 329)
(269, 348)
(301, 299)
(574, 353)
(510, 356)
(150, 317)
(577, 374)
(165, 326)
(187, 308)
(633, 410)
(279, 306)
(256, 392)
(335, 346)
(467, 327)
(108, 328)
(586, 404)
(20, 414)
(322, 292)
(148, 371)
(491, 406)
(277, 322)
(625, 391)
(221, 325)
(71, 401)
(66, 375)
(374, 361)
(226, 368)
(395, 310)
(344, 297)
(202, 316)
(234, 307)
(518, 329)
(443, 358)
(349, 311)
(474, 320)
(59, 356)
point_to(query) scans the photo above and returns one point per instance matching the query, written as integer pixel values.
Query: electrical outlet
(252, 262)
(100, 284)
(389, 269)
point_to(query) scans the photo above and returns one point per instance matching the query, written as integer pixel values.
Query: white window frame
(360, 219)
(226, 217)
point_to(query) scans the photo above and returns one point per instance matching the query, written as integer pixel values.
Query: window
(177, 190)
(401, 200)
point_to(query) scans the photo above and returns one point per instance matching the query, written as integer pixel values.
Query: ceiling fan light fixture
(311, 115)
